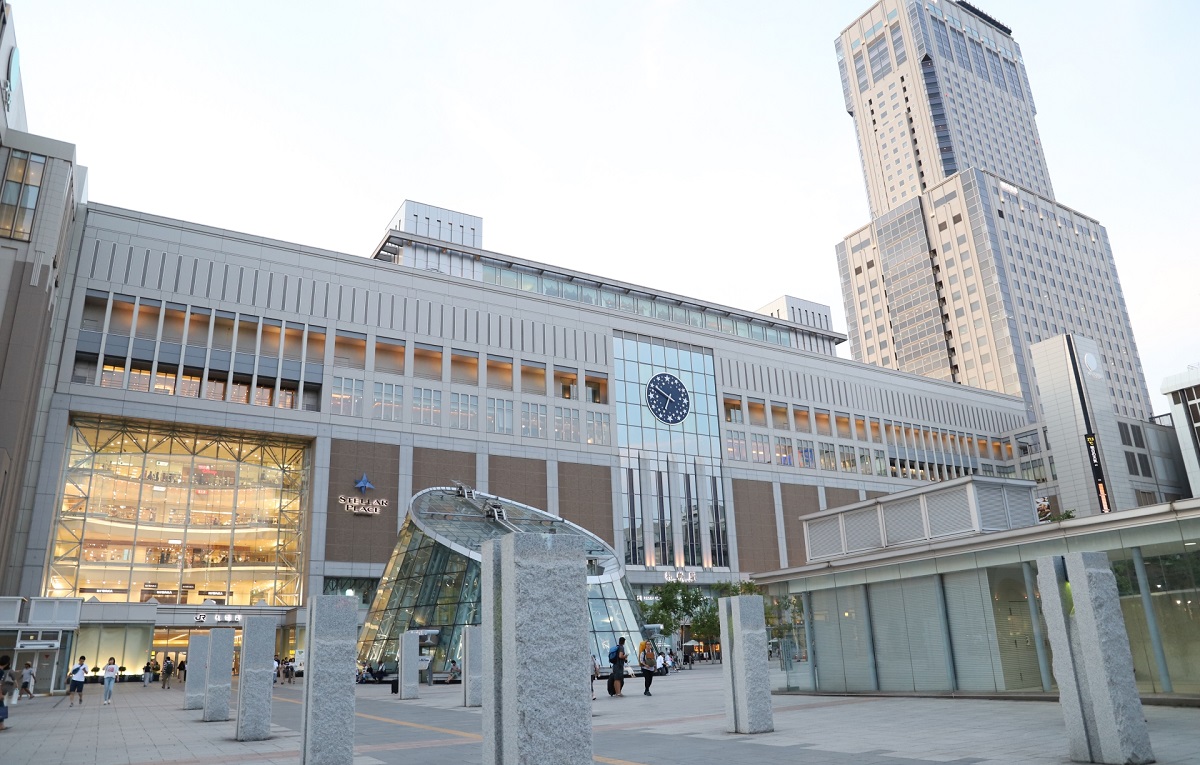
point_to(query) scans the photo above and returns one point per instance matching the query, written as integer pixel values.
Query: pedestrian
(289, 670)
(168, 669)
(28, 676)
(454, 674)
(617, 674)
(595, 674)
(648, 664)
(275, 674)
(183, 671)
(8, 681)
(147, 674)
(110, 677)
(75, 679)
(660, 667)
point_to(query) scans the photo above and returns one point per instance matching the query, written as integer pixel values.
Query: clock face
(667, 398)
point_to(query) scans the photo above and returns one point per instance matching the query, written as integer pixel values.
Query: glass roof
(466, 518)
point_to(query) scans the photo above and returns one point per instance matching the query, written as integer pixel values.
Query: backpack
(8, 681)
(614, 654)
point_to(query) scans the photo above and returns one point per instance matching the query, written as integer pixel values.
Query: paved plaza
(683, 722)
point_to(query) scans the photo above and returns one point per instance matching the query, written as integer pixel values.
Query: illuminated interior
(181, 515)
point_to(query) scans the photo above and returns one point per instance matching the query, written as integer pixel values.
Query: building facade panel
(362, 501)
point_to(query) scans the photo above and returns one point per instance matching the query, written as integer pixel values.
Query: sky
(696, 147)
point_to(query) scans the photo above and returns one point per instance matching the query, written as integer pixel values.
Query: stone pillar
(472, 669)
(197, 676)
(327, 726)
(218, 674)
(744, 665)
(256, 678)
(1092, 661)
(536, 584)
(408, 665)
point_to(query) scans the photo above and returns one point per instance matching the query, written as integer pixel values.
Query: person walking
(275, 674)
(75, 679)
(648, 663)
(595, 674)
(183, 671)
(168, 669)
(28, 676)
(617, 674)
(110, 677)
(8, 681)
(147, 674)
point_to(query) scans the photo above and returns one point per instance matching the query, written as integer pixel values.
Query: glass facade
(885, 628)
(182, 515)
(432, 581)
(671, 474)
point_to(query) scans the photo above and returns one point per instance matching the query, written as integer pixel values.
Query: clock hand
(668, 395)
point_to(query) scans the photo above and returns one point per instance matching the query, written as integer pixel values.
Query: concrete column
(1092, 660)
(256, 678)
(197, 676)
(745, 666)
(327, 725)
(408, 658)
(536, 584)
(472, 669)
(218, 674)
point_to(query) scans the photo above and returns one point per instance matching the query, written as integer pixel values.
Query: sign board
(37, 644)
(1093, 450)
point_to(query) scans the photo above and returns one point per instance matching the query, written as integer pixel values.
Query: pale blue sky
(696, 147)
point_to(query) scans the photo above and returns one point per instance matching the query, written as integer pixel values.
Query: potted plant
(95, 674)
(121, 675)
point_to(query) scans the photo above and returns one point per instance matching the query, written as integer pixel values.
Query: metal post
(1036, 619)
(944, 620)
(809, 640)
(871, 665)
(1160, 658)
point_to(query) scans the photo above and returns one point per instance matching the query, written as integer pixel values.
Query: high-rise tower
(968, 259)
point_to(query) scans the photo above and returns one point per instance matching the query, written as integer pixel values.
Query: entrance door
(45, 665)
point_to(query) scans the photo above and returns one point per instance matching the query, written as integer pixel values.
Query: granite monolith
(408, 665)
(472, 669)
(218, 683)
(256, 677)
(536, 584)
(327, 725)
(1093, 664)
(197, 676)
(745, 666)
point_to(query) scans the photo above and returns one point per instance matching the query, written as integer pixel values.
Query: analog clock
(667, 398)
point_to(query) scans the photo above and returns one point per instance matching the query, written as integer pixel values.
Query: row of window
(838, 458)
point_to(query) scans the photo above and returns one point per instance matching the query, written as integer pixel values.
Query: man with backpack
(168, 669)
(616, 675)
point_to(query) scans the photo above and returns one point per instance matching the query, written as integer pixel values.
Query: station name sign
(679, 575)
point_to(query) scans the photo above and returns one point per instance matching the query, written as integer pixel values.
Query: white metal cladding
(972, 630)
(853, 619)
(992, 514)
(827, 640)
(893, 661)
(949, 512)
(926, 644)
(825, 537)
(903, 521)
(862, 530)
(1022, 508)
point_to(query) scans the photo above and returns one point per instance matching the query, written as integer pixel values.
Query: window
(733, 411)
(599, 429)
(214, 390)
(427, 361)
(346, 396)
(596, 384)
(566, 383)
(464, 411)
(757, 409)
(800, 415)
(113, 376)
(18, 198)
(500, 373)
(760, 448)
(500, 416)
(533, 378)
(1138, 440)
(735, 445)
(824, 426)
(1144, 461)
(139, 379)
(828, 457)
(881, 462)
(566, 424)
(389, 398)
(464, 367)
(189, 384)
(239, 391)
(783, 452)
(533, 418)
(427, 406)
(1131, 462)
(864, 461)
(264, 394)
(779, 416)
(805, 454)
(849, 464)
(349, 349)
(389, 356)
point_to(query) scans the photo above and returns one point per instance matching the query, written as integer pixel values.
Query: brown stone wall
(440, 467)
(519, 479)
(585, 497)
(874, 494)
(798, 500)
(757, 537)
(837, 497)
(362, 538)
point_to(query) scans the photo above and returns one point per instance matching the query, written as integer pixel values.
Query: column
(218, 674)
(744, 665)
(255, 679)
(195, 686)
(472, 669)
(536, 584)
(408, 665)
(1092, 660)
(327, 725)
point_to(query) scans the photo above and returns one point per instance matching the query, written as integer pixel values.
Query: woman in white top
(110, 677)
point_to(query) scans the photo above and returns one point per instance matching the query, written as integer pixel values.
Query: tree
(706, 625)
(675, 604)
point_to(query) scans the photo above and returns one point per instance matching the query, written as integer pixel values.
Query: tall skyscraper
(968, 260)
